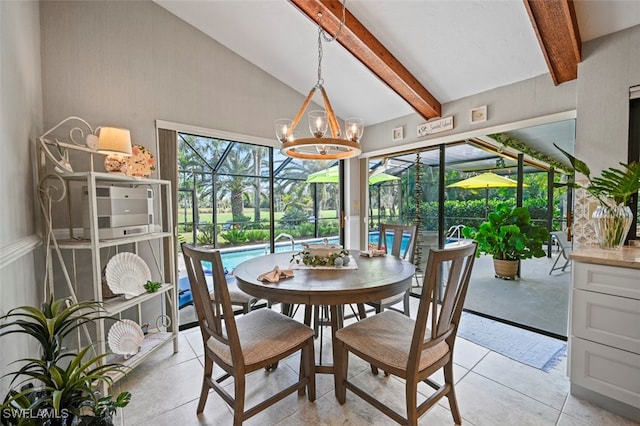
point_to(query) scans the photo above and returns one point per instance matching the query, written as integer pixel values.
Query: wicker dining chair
(411, 349)
(239, 346)
(395, 249)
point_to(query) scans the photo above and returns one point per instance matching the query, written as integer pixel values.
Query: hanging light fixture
(321, 146)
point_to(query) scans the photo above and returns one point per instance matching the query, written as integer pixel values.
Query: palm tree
(242, 167)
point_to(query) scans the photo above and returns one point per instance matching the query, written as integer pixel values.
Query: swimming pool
(232, 257)
(235, 256)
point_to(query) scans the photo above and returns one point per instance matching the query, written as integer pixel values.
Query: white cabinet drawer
(605, 370)
(624, 282)
(611, 320)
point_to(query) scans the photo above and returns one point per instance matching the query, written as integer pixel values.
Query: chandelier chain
(322, 35)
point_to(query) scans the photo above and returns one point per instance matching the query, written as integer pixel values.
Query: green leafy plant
(508, 234)
(234, 236)
(614, 184)
(311, 260)
(152, 286)
(62, 384)
(253, 235)
(205, 234)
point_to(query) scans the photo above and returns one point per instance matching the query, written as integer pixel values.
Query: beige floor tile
(566, 420)
(327, 411)
(161, 390)
(549, 388)
(497, 391)
(592, 415)
(215, 413)
(485, 402)
(195, 342)
(260, 385)
(468, 354)
(391, 391)
(440, 415)
(458, 373)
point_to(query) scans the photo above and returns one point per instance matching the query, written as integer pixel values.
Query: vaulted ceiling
(408, 56)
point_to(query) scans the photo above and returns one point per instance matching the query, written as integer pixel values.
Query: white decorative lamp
(116, 143)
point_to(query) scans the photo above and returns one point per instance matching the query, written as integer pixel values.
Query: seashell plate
(127, 273)
(125, 337)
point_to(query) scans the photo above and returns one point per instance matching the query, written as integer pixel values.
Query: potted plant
(508, 236)
(59, 388)
(612, 218)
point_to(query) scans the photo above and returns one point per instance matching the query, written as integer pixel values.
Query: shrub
(234, 236)
(205, 234)
(253, 235)
(293, 217)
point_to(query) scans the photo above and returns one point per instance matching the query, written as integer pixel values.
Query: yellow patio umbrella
(486, 181)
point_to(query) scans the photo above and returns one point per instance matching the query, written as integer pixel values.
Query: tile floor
(491, 390)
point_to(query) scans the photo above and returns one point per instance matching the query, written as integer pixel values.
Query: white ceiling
(455, 48)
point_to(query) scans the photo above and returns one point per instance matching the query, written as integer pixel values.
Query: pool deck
(536, 300)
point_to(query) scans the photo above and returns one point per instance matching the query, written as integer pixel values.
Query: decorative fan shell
(125, 337)
(127, 273)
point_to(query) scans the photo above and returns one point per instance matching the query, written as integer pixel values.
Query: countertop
(627, 257)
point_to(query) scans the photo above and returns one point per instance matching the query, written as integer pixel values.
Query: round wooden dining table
(375, 278)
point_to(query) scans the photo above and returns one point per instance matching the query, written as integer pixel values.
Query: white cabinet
(605, 336)
(81, 243)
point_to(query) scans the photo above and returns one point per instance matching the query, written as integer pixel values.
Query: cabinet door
(612, 280)
(606, 370)
(611, 320)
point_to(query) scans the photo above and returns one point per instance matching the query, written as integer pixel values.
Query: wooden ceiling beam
(367, 49)
(556, 27)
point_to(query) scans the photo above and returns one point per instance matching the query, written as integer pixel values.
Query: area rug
(533, 349)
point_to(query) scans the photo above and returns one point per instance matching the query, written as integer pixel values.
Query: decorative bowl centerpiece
(322, 255)
(322, 249)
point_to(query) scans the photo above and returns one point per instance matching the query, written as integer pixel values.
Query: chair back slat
(213, 309)
(398, 232)
(457, 263)
(563, 241)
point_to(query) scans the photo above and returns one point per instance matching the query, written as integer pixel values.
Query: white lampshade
(113, 140)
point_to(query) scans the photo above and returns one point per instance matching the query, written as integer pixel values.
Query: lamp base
(116, 163)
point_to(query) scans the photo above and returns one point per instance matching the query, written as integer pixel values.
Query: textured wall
(536, 97)
(20, 122)
(610, 66)
(131, 63)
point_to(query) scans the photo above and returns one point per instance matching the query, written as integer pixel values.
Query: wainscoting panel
(15, 250)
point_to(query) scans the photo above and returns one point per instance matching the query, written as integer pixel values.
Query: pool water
(234, 257)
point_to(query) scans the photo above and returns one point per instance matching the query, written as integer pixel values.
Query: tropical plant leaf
(613, 184)
(578, 165)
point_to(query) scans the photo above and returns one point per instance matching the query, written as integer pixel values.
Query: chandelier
(320, 146)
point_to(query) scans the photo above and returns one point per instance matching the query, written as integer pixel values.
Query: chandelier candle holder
(354, 127)
(320, 146)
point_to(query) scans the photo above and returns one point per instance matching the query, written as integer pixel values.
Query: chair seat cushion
(386, 337)
(263, 334)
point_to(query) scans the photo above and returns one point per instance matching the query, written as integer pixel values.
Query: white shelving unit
(71, 249)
